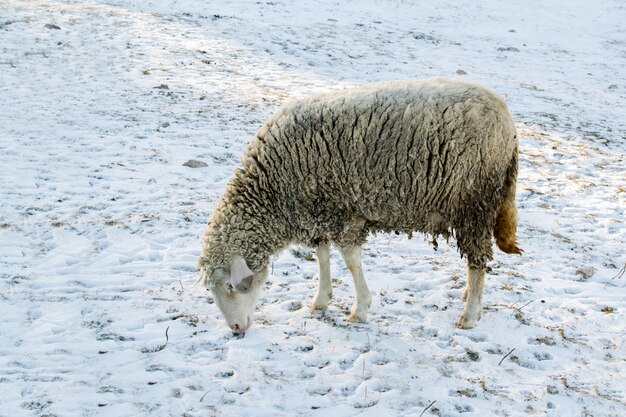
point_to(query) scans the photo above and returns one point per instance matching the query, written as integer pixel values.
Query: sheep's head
(236, 290)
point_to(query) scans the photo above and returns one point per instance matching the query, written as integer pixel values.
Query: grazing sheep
(438, 156)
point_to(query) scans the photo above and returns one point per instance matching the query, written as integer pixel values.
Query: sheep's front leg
(324, 288)
(352, 257)
(473, 297)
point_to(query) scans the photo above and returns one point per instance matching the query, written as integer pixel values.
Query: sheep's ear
(240, 275)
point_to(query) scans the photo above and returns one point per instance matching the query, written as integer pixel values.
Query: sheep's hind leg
(473, 297)
(352, 257)
(324, 288)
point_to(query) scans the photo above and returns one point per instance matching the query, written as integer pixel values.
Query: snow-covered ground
(100, 222)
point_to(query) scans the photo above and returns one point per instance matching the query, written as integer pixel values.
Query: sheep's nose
(237, 330)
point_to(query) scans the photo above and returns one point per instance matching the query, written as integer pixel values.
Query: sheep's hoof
(315, 308)
(465, 322)
(320, 303)
(357, 318)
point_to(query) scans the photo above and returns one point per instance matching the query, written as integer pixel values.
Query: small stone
(163, 87)
(508, 49)
(52, 26)
(586, 272)
(192, 163)
(551, 389)
(613, 87)
(461, 72)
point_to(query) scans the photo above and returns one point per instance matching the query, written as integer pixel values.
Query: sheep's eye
(229, 286)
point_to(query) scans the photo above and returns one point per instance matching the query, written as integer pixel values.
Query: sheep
(437, 156)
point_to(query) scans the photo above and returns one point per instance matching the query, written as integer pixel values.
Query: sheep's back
(400, 155)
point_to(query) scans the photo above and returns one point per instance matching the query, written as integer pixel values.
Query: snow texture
(102, 104)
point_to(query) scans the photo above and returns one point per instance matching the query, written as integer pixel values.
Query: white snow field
(101, 104)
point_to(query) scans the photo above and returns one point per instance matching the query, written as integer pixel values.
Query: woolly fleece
(438, 156)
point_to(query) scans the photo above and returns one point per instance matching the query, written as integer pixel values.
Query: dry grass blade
(621, 272)
(158, 348)
(505, 356)
(426, 409)
(202, 398)
(520, 308)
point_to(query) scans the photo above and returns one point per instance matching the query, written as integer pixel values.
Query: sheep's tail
(506, 222)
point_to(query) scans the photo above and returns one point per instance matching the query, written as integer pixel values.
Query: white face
(236, 294)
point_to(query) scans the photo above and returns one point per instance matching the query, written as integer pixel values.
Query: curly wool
(437, 156)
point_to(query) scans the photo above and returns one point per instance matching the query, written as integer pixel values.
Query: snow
(100, 222)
